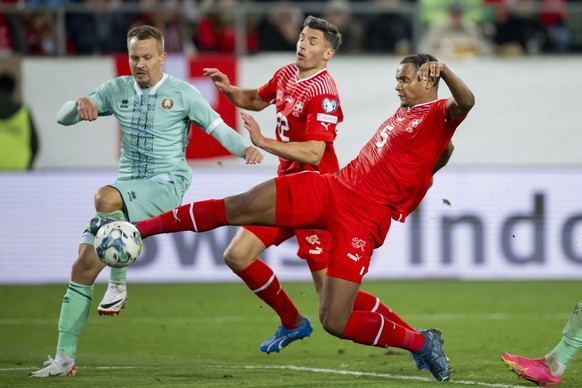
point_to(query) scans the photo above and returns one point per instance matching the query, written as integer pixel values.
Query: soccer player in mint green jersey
(155, 111)
(548, 370)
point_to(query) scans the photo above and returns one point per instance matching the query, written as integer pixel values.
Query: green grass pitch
(185, 335)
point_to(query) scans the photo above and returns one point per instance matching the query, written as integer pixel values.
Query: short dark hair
(330, 31)
(147, 32)
(419, 60)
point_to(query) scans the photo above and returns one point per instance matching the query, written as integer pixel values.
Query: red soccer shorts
(356, 225)
(314, 244)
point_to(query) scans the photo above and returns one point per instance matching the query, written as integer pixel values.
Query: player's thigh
(147, 198)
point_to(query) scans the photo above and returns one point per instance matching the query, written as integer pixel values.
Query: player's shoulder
(179, 85)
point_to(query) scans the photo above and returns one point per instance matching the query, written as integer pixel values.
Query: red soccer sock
(368, 328)
(368, 302)
(196, 216)
(259, 277)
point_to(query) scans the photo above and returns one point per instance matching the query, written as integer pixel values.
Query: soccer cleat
(433, 355)
(535, 370)
(96, 223)
(420, 364)
(54, 369)
(284, 337)
(114, 300)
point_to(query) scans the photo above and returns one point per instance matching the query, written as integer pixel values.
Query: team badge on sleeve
(329, 105)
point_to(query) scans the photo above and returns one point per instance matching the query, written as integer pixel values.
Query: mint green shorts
(144, 199)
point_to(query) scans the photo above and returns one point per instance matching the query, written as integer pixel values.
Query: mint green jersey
(155, 124)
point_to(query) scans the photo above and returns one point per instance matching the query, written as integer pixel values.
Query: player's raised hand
(252, 155)
(87, 109)
(252, 126)
(430, 70)
(220, 79)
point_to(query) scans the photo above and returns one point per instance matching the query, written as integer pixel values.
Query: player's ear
(329, 53)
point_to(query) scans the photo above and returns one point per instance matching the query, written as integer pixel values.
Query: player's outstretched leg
(433, 355)
(284, 337)
(535, 370)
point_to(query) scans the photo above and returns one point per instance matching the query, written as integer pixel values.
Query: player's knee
(235, 258)
(107, 199)
(331, 323)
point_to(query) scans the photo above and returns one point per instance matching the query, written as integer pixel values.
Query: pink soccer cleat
(535, 370)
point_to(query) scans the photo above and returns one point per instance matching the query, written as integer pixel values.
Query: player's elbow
(466, 104)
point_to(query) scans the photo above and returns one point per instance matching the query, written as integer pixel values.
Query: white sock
(557, 368)
(64, 360)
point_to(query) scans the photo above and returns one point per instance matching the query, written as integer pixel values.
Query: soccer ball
(118, 244)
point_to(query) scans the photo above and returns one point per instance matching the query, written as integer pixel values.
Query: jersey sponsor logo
(124, 103)
(355, 257)
(326, 118)
(167, 103)
(316, 251)
(358, 243)
(329, 105)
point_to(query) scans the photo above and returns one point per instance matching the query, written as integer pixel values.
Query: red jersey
(307, 109)
(395, 167)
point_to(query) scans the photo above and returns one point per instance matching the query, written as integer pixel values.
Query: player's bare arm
(243, 98)
(87, 109)
(309, 152)
(459, 105)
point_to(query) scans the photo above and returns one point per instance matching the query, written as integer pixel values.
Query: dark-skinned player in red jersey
(385, 182)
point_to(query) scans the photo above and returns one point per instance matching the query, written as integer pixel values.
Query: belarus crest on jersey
(167, 103)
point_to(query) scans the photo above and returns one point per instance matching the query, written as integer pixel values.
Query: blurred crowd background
(245, 27)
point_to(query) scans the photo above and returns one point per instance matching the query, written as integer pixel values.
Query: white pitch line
(372, 374)
(313, 370)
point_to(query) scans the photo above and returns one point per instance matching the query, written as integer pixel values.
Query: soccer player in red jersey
(385, 182)
(308, 110)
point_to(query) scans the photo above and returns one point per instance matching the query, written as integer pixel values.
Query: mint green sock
(571, 340)
(74, 313)
(116, 275)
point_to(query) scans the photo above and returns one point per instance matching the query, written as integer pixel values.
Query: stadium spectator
(18, 136)
(155, 111)
(553, 15)
(339, 12)
(436, 11)
(11, 39)
(167, 18)
(386, 181)
(217, 30)
(388, 30)
(278, 28)
(548, 370)
(457, 36)
(518, 29)
(98, 30)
